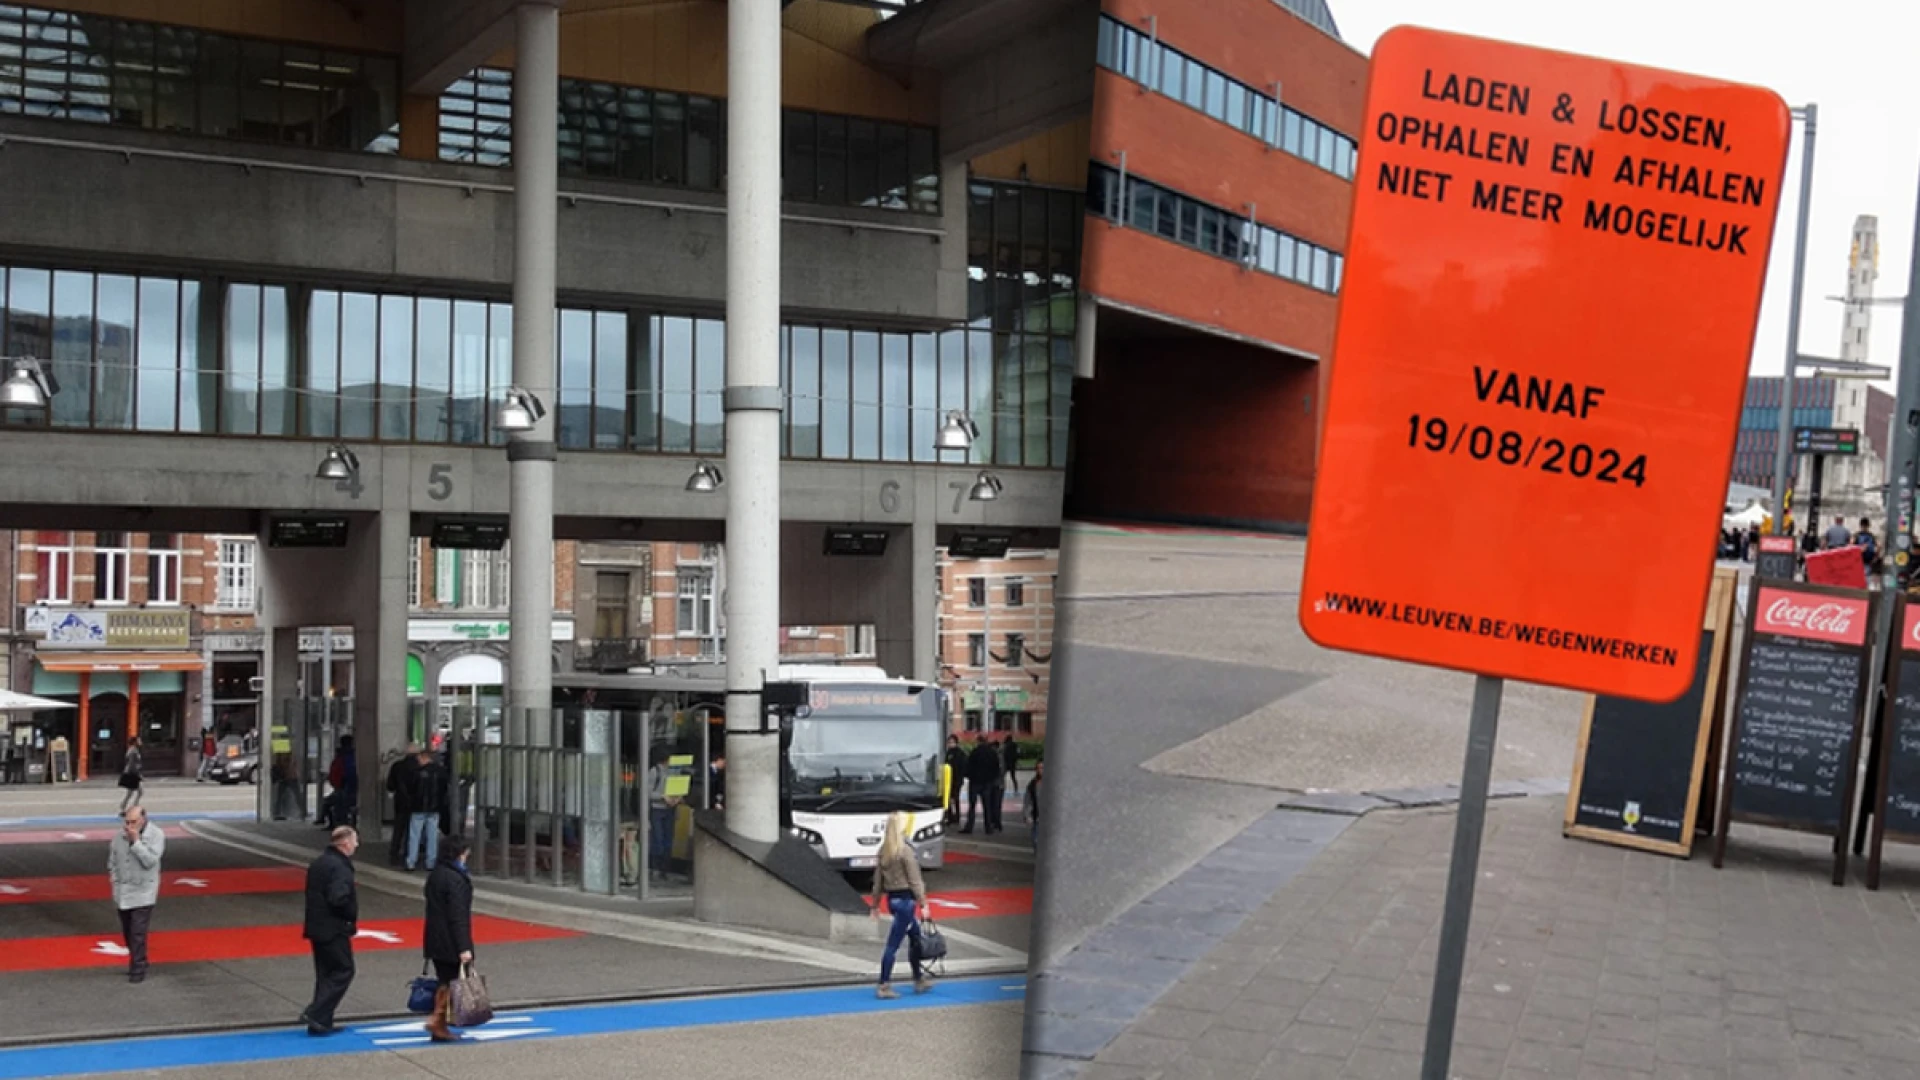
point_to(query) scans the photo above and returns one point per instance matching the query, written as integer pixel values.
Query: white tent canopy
(12, 702)
(1752, 515)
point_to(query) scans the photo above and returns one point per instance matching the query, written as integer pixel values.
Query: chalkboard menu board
(1776, 558)
(1896, 796)
(1796, 723)
(1639, 768)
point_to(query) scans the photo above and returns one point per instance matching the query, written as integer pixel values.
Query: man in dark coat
(333, 916)
(957, 762)
(983, 778)
(402, 777)
(1010, 756)
(448, 938)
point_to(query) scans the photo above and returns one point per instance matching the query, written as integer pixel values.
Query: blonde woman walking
(899, 892)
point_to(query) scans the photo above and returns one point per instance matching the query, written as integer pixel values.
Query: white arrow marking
(421, 1025)
(379, 935)
(955, 904)
(479, 1035)
(109, 948)
(191, 882)
(14, 890)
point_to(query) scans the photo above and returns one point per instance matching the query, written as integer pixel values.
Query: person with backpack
(429, 799)
(1869, 547)
(343, 776)
(130, 775)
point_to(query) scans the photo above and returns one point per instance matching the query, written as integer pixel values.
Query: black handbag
(129, 780)
(422, 992)
(933, 943)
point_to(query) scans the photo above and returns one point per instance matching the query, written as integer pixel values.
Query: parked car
(232, 764)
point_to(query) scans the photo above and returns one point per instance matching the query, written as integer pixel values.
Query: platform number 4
(350, 484)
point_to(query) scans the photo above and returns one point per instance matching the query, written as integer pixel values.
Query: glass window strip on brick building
(1170, 215)
(1162, 68)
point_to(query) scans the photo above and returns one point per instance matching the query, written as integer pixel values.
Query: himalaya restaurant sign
(111, 628)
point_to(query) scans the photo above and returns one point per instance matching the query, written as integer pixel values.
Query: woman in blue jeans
(899, 892)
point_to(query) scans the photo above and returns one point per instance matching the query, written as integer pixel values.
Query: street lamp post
(752, 404)
(1782, 449)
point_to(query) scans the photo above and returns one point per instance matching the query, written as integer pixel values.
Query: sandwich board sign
(1553, 277)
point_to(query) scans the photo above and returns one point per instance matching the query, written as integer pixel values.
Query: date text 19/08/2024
(1602, 464)
(1644, 171)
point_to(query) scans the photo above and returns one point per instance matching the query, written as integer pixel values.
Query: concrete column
(536, 121)
(752, 406)
(926, 586)
(380, 661)
(281, 666)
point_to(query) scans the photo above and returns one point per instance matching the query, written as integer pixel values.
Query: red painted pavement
(79, 836)
(240, 943)
(979, 903)
(49, 890)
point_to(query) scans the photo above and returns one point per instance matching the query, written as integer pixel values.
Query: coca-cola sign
(1838, 619)
(1910, 637)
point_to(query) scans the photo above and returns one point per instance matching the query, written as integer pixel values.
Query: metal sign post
(1482, 728)
(1468, 387)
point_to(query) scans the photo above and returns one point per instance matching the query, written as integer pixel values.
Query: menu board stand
(1640, 768)
(1894, 769)
(1794, 753)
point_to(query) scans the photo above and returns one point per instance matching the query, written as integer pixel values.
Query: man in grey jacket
(133, 868)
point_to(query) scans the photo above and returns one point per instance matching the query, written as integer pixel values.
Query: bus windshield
(866, 756)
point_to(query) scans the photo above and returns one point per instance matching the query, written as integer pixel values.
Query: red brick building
(1223, 146)
(996, 638)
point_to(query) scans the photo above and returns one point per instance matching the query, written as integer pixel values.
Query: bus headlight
(807, 836)
(931, 832)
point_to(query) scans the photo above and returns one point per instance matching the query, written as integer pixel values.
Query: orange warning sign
(1552, 282)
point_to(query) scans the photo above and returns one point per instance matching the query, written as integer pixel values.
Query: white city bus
(864, 746)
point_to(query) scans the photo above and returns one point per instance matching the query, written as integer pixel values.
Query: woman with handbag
(449, 931)
(130, 776)
(899, 891)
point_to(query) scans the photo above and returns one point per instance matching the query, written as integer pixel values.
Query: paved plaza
(1585, 961)
(1293, 933)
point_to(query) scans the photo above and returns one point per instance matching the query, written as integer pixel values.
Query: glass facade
(1166, 213)
(673, 139)
(1158, 66)
(206, 356)
(1813, 404)
(100, 70)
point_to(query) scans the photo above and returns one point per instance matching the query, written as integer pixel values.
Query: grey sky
(1856, 59)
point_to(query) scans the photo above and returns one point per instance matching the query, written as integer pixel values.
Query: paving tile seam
(1088, 965)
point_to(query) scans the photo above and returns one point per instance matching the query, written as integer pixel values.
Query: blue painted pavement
(280, 1044)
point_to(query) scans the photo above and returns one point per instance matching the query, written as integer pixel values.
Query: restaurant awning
(131, 661)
